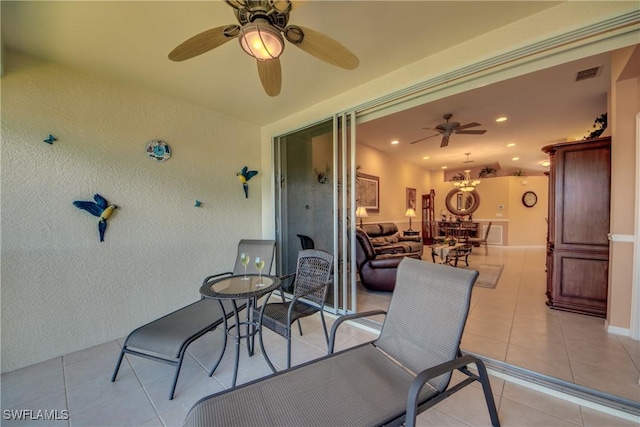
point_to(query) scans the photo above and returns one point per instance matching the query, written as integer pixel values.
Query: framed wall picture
(411, 198)
(368, 192)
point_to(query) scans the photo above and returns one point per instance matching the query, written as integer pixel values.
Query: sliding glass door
(314, 201)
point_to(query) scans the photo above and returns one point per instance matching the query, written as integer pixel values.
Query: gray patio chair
(166, 339)
(310, 283)
(406, 370)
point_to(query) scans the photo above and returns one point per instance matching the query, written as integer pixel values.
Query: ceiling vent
(589, 73)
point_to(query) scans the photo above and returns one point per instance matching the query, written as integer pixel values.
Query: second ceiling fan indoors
(261, 31)
(449, 128)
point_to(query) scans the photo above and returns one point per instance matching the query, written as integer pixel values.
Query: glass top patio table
(234, 288)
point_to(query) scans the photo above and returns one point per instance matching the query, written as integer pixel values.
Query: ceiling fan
(261, 31)
(449, 128)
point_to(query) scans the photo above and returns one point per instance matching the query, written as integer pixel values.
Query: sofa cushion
(388, 228)
(372, 230)
(385, 238)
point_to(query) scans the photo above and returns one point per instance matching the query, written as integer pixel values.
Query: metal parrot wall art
(244, 176)
(100, 208)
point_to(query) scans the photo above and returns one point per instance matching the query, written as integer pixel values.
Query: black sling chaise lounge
(166, 339)
(406, 370)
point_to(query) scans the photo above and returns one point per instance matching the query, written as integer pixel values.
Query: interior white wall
(62, 290)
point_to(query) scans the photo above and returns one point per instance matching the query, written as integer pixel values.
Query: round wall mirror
(462, 202)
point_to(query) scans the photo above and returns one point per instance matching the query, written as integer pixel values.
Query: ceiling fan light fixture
(261, 40)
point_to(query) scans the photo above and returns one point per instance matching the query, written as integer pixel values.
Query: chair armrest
(390, 249)
(387, 260)
(458, 363)
(410, 238)
(340, 320)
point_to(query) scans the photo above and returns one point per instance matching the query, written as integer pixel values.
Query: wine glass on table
(244, 260)
(259, 267)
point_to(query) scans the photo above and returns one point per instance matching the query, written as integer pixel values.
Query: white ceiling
(129, 41)
(542, 108)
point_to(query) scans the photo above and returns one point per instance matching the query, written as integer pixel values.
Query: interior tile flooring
(512, 324)
(80, 382)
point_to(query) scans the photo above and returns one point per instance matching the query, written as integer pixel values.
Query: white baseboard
(616, 330)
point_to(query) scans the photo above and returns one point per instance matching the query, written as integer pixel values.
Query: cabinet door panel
(585, 186)
(580, 281)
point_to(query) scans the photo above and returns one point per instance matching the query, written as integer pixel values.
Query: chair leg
(486, 249)
(299, 327)
(488, 395)
(115, 372)
(289, 350)
(264, 352)
(324, 326)
(175, 377)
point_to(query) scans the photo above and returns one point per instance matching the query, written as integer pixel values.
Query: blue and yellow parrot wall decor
(100, 208)
(244, 176)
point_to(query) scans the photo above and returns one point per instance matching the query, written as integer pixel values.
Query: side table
(410, 232)
(235, 288)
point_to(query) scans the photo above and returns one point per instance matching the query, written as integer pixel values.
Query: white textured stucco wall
(62, 290)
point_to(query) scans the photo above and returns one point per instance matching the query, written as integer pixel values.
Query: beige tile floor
(80, 383)
(511, 323)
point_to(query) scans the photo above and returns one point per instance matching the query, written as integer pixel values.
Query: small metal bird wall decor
(244, 176)
(50, 139)
(100, 208)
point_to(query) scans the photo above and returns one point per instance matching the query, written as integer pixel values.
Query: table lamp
(410, 213)
(361, 212)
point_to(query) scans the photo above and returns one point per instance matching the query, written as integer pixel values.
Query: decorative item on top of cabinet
(577, 242)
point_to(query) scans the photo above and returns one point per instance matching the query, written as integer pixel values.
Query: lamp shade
(361, 212)
(410, 213)
(260, 40)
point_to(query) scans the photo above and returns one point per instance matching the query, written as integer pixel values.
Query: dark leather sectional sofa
(378, 263)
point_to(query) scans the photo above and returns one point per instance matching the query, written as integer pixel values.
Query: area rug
(489, 274)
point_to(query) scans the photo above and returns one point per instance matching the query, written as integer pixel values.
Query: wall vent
(495, 234)
(589, 73)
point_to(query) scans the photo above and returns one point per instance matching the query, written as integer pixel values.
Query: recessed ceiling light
(515, 158)
(513, 144)
(425, 158)
(444, 167)
(395, 142)
(501, 119)
(545, 163)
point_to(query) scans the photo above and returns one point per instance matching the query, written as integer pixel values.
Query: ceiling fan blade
(422, 139)
(468, 125)
(471, 132)
(204, 42)
(287, 6)
(436, 129)
(322, 47)
(445, 141)
(270, 75)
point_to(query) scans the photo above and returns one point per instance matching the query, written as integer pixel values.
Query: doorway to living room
(314, 202)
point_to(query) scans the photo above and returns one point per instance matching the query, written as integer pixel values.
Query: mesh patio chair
(166, 339)
(310, 284)
(406, 370)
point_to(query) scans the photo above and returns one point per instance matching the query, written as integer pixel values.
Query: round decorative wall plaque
(158, 150)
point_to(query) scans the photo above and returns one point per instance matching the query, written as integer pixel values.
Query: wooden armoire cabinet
(578, 241)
